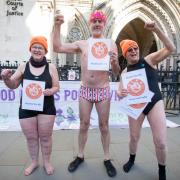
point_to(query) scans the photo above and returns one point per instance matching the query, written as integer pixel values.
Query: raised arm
(58, 46)
(12, 81)
(169, 47)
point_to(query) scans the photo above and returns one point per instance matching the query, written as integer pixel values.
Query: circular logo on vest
(99, 50)
(137, 106)
(136, 87)
(33, 91)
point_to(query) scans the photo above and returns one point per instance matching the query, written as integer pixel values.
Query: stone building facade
(21, 19)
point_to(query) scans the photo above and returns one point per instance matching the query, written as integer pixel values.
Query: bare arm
(160, 55)
(13, 81)
(55, 81)
(57, 44)
(121, 91)
(114, 60)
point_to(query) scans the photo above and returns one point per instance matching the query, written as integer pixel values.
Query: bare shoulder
(21, 67)
(52, 66)
(82, 43)
(124, 71)
(52, 69)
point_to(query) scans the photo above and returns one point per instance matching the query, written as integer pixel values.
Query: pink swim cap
(97, 15)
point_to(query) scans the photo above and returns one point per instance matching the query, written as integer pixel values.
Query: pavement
(14, 156)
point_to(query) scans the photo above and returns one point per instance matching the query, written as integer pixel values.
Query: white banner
(66, 107)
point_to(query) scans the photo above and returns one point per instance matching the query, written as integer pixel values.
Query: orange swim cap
(126, 44)
(40, 40)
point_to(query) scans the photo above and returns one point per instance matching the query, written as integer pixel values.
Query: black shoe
(111, 171)
(127, 167)
(75, 164)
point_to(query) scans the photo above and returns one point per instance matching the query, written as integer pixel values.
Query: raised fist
(6, 74)
(152, 26)
(59, 18)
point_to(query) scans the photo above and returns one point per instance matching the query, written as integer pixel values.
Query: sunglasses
(132, 49)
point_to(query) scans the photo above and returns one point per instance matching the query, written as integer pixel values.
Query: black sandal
(110, 169)
(75, 164)
(127, 167)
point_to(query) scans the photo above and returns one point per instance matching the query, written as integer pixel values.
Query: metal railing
(170, 87)
(169, 80)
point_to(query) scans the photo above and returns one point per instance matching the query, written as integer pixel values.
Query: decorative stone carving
(161, 12)
(46, 5)
(75, 34)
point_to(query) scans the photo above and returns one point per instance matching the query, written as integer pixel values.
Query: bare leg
(85, 108)
(29, 128)
(135, 130)
(158, 126)
(45, 128)
(103, 108)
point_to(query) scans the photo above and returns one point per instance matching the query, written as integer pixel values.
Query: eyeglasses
(38, 48)
(132, 49)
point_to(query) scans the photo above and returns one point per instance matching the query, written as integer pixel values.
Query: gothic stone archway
(135, 30)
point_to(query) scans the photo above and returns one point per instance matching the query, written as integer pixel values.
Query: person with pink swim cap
(97, 15)
(96, 85)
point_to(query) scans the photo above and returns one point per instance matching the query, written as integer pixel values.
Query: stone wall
(19, 21)
(22, 19)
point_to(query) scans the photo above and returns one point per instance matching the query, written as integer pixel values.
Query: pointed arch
(78, 30)
(79, 22)
(164, 13)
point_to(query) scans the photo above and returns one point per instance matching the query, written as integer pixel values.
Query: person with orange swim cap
(126, 44)
(37, 126)
(155, 109)
(40, 40)
(95, 83)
